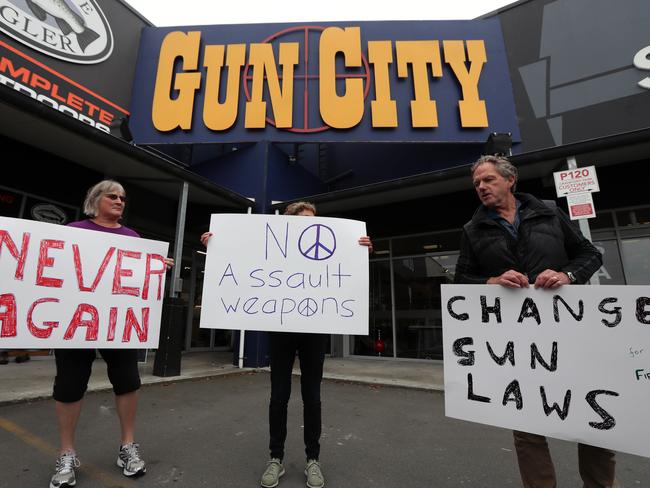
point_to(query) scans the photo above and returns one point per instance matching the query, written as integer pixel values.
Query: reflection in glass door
(636, 260)
(379, 342)
(418, 320)
(197, 338)
(611, 272)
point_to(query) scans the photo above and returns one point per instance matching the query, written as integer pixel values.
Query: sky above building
(208, 12)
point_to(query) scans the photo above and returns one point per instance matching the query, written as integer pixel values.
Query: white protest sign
(577, 180)
(286, 273)
(64, 287)
(571, 363)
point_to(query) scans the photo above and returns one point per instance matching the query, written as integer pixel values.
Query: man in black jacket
(516, 240)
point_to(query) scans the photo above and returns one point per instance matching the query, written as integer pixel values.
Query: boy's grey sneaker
(314, 474)
(129, 459)
(274, 470)
(64, 474)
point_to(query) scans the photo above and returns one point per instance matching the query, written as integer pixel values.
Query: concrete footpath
(33, 380)
(213, 433)
(208, 428)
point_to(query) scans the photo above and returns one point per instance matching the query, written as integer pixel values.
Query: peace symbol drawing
(307, 307)
(317, 242)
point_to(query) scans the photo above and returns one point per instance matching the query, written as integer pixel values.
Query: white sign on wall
(581, 206)
(286, 273)
(572, 363)
(64, 287)
(577, 180)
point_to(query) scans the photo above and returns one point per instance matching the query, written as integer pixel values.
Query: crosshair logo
(306, 73)
(317, 242)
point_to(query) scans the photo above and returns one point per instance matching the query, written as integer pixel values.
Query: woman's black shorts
(73, 368)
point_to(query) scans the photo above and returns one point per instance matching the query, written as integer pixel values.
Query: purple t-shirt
(90, 225)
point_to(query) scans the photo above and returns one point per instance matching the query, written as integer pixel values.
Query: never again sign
(64, 287)
(571, 363)
(286, 273)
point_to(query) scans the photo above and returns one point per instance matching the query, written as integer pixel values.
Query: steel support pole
(584, 223)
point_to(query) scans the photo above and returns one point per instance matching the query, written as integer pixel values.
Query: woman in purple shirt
(104, 206)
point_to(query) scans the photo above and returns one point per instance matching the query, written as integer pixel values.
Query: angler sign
(361, 81)
(74, 30)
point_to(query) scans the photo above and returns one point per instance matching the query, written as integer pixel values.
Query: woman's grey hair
(297, 207)
(91, 203)
(504, 167)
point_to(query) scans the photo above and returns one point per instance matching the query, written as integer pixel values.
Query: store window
(10, 203)
(417, 305)
(433, 243)
(197, 338)
(406, 275)
(46, 211)
(611, 272)
(603, 220)
(636, 260)
(33, 207)
(409, 270)
(633, 217)
(379, 342)
(381, 248)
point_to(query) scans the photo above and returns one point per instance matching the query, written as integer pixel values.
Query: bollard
(167, 361)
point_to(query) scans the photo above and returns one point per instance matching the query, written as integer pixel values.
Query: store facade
(578, 94)
(64, 107)
(211, 106)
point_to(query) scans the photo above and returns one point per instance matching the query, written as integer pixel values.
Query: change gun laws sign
(571, 363)
(286, 273)
(63, 287)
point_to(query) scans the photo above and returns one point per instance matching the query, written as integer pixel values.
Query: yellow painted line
(106, 479)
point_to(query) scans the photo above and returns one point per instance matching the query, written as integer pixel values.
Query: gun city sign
(427, 81)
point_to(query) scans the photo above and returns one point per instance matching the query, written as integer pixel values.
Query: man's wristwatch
(572, 277)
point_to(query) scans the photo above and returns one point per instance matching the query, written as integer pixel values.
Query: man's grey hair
(91, 203)
(504, 167)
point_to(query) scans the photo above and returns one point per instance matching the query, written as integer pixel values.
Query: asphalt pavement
(213, 432)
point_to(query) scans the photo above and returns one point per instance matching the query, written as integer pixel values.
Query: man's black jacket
(547, 240)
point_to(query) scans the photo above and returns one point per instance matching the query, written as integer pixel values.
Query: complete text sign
(64, 287)
(286, 273)
(572, 363)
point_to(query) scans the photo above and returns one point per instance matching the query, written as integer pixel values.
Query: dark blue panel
(243, 171)
(288, 181)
